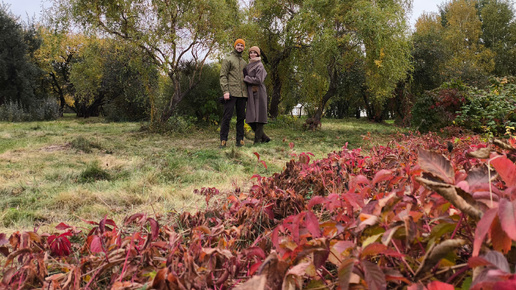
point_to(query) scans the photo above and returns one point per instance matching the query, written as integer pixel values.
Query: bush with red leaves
(419, 213)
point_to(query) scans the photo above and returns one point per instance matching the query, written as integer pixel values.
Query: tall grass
(83, 169)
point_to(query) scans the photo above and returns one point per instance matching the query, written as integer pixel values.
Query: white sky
(33, 8)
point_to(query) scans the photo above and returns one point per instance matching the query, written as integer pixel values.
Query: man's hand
(226, 96)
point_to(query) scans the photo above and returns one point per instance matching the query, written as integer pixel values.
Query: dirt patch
(54, 148)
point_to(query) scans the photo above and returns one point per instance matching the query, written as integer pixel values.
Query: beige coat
(257, 93)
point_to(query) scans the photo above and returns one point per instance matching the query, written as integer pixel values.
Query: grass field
(73, 169)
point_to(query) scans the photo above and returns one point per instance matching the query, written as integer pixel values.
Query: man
(235, 93)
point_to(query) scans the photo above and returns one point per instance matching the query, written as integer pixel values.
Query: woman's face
(253, 54)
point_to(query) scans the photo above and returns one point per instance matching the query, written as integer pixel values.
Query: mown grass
(73, 169)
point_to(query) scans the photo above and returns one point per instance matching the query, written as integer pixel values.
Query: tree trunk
(93, 110)
(276, 93)
(277, 82)
(329, 94)
(332, 90)
(179, 94)
(60, 92)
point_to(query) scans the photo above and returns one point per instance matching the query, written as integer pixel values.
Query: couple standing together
(243, 84)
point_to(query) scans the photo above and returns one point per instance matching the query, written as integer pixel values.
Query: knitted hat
(239, 41)
(255, 49)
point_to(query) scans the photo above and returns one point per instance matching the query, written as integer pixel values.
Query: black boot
(258, 133)
(265, 138)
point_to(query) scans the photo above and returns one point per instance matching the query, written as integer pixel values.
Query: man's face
(239, 47)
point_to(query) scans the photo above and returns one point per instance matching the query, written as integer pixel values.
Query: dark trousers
(229, 107)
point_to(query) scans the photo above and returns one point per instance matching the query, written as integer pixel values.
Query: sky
(33, 8)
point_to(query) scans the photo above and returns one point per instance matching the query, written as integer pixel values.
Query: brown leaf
(503, 145)
(449, 192)
(482, 153)
(294, 278)
(255, 283)
(435, 254)
(437, 165)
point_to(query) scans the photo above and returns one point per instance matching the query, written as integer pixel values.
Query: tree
(167, 31)
(373, 31)
(18, 75)
(56, 55)
(128, 81)
(278, 30)
(499, 34)
(469, 59)
(428, 53)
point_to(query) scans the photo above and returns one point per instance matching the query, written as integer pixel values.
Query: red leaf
(254, 267)
(268, 210)
(60, 246)
(482, 229)
(136, 216)
(505, 285)
(436, 285)
(382, 175)
(154, 228)
(475, 262)
(437, 165)
(373, 250)
(89, 222)
(257, 176)
(345, 270)
(360, 179)
(374, 276)
(312, 224)
(506, 169)
(257, 155)
(291, 145)
(500, 240)
(255, 252)
(507, 218)
(203, 229)
(8, 275)
(96, 245)
(264, 165)
(275, 237)
(62, 226)
(315, 201)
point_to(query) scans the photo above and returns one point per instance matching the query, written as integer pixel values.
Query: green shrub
(180, 124)
(80, 143)
(39, 110)
(438, 108)
(286, 121)
(202, 101)
(490, 110)
(14, 215)
(94, 173)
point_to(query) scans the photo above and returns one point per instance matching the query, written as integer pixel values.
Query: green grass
(73, 169)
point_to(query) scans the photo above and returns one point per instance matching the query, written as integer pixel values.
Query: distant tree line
(144, 60)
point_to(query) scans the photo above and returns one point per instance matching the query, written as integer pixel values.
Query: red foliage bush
(420, 211)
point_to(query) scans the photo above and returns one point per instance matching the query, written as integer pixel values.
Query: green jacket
(232, 75)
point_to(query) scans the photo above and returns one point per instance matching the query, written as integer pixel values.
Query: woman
(256, 113)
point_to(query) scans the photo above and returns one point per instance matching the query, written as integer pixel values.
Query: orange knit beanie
(239, 41)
